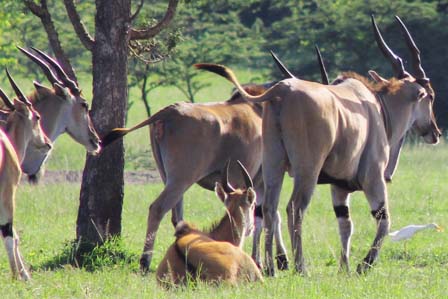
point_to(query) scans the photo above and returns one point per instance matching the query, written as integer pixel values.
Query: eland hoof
(282, 262)
(363, 268)
(144, 264)
(268, 271)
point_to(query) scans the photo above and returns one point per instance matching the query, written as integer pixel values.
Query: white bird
(408, 231)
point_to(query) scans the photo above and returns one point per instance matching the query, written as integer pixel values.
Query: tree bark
(102, 187)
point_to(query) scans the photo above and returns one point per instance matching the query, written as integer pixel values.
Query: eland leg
(23, 272)
(274, 162)
(166, 201)
(258, 184)
(270, 220)
(257, 236)
(281, 257)
(376, 194)
(8, 240)
(341, 200)
(177, 214)
(301, 196)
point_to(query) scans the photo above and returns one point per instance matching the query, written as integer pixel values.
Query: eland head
(417, 86)
(63, 109)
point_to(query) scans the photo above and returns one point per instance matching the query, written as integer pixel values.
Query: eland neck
(397, 117)
(231, 228)
(18, 140)
(54, 116)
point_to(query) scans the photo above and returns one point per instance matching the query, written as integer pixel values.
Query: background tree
(101, 195)
(209, 32)
(343, 32)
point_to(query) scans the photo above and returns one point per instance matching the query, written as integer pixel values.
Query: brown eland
(190, 143)
(217, 255)
(22, 129)
(339, 135)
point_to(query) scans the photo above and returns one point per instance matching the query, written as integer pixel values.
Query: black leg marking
(341, 211)
(259, 212)
(7, 230)
(381, 213)
(282, 262)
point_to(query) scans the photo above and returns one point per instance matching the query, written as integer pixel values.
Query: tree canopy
(241, 33)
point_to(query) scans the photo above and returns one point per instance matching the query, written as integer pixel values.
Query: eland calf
(217, 255)
(339, 135)
(21, 131)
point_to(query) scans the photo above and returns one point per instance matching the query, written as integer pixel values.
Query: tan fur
(392, 86)
(217, 256)
(23, 128)
(190, 144)
(342, 132)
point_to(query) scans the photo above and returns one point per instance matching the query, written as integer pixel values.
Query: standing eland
(339, 135)
(190, 144)
(62, 110)
(22, 130)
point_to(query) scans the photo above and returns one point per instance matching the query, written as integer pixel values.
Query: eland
(339, 135)
(216, 255)
(190, 144)
(62, 109)
(22, 130)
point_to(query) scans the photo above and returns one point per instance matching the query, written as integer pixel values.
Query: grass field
(46, 219)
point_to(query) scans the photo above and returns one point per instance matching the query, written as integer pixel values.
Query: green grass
(46, 218)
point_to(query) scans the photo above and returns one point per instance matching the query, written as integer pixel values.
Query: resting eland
(216, 255)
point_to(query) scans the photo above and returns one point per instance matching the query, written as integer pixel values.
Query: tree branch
(36, 9)
(79, 27)
(153, 31)
(41, 11)
(137, 11)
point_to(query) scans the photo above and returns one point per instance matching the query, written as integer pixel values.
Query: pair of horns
(288, 74)
(225, 177)
(20, 95)
(395, 60)
(45, 61)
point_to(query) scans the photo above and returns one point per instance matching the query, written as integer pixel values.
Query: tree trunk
(102, 188)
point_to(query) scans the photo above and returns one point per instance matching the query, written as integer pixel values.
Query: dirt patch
(75, 177)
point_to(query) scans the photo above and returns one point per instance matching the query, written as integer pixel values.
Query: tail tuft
(214, 68)
(112, 136)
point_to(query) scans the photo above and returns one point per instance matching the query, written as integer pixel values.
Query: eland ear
(39, 86)
(61, 90)
(220, 192)
(376, 77)
(21, 107)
